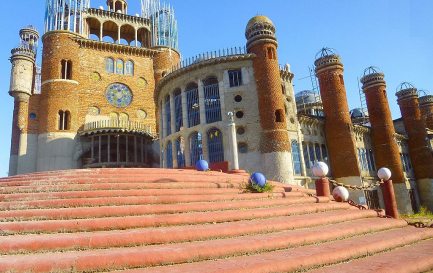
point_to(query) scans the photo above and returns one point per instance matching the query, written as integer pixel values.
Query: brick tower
(21, 88)
(385, 147)
(421, 156)
(426, 107)
(274, 140)
(338, 125)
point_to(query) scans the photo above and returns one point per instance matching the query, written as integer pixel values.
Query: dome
(307, 97)
(259, 19)
(358, 113)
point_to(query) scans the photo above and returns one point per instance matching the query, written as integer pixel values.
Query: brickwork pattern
(338, 125)
(386, 152)
(420, 154)
(267, 74)
(427, 113)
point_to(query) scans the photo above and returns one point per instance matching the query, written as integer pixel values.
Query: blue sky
(395, 35)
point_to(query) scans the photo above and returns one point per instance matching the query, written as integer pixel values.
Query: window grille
(324, 153)
(296, 158)
(193, 106)
(235, 77)
(178, 110)
(212, 102)
(196, 147)
(311, 153)
(317, 150)
(167, 116)
(180, 153)
(215, 145)
(306, 157)
(169, 156)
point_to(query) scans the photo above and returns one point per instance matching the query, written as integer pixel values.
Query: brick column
(426, 107)
(385, 148)
(420, 154)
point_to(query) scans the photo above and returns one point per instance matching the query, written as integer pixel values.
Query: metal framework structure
(215, 145)
(212, 102)
(193, 107)
(65, 15)
(195, 147)
(163, 23)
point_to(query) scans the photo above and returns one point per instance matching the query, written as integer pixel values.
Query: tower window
(238, 98)
(341, 79)
(64, 118)
(66, 73)
(271, 53)
(239, 114)
(235, 77)
(283, 89)
(279, 115)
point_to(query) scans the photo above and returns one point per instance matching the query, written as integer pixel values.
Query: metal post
(233, 143)
(389, 199)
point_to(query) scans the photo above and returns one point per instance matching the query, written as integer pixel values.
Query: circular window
(32, 116)
(141, 114)
(240, 130)
(243, 148)
(238, 98)
(119, 95)
(239, 114)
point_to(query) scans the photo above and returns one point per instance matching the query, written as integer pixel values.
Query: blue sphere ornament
(259, 179)
(202, 165)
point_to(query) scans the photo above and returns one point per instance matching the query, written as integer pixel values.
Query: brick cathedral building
(113, 91)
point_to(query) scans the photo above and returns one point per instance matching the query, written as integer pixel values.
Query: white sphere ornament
(340, 194)
(384, 174)
(320, 169)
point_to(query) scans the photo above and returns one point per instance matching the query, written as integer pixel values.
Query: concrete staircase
(158, 220)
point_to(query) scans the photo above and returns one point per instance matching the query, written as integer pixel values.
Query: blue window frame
(193, 105)
(195, 147)
(169, 156)
(167, 116)
(109, 65)
(119, 67)
(178, 109)
(180, 153)
(296, 158)
(212, 100)
(215, 145)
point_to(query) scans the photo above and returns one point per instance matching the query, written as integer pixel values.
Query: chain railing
(352, 187)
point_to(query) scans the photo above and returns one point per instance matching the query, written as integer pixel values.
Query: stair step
(127, 222)
(288, 260)
(106, 211)
(138, 200)
(105, 239)
(411, 258)
(118, 258)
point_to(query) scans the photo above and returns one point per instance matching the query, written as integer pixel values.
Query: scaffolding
(65, 15)
(163, 23)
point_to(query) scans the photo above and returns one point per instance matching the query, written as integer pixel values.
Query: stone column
(234, 159)
(184, 110)
(172, 114)
(426, 107)
(201, 102)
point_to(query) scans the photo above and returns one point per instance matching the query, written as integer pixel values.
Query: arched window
(119, 67)
(215, 145)
(64, 120)
(212, 100)
(317, 150)
(178, 109)
(169, 156)
(180, 152)
(192, 104)
(296, 158)
(129, 68)
(311, 151)
(324, 153)
(279, 117)
(306, 157)
(167, 116)
(66, 73)
(271, 53)
(109, 65)
(195, 147)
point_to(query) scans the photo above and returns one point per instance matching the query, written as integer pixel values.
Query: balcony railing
(117, 125)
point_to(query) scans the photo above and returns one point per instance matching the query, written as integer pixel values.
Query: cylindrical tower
(420, 154)
(426, 107)
(385, 147)
(274, 138)
(338, 124)
(21, 86)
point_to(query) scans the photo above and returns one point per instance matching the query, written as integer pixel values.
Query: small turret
(120, 6)
(426, 107)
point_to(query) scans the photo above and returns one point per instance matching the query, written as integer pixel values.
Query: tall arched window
(66, 73)
(119, 67)
(180, 152)
(178, 109)
(192, 104)
(129, 68)
(169, 156)
(64, 119)
(296, 158)
(306, 157)
(109, 65)
(167, 116)
(311, 150)
(212, 100)
(195, 147)
(317, 150)
(215, 145)
(324, 153)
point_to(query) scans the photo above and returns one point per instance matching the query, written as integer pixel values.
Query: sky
(394, 35)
